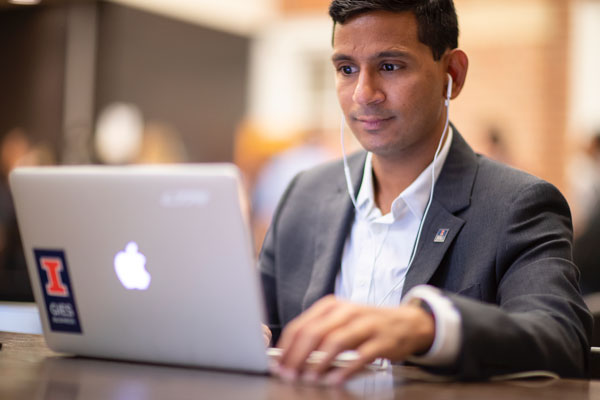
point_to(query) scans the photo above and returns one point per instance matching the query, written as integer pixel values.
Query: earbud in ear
(449, 90)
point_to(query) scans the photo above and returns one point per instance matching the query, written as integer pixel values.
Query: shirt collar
(415, 196)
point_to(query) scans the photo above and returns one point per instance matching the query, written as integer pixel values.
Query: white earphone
(448, 90)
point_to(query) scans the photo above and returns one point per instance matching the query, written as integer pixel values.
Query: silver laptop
(144, 263)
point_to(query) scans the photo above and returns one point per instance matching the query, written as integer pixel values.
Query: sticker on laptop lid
(58, 293)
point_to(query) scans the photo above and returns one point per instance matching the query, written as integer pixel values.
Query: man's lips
(372, 122)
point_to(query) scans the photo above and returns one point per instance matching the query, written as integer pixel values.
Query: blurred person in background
(119, 134)
(584, 175)
(161, 145)
(584, 179)
(496, 146)
(586, 254)
(278, 172)
(123, 137)
(16, 149)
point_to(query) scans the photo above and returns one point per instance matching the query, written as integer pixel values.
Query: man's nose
(367, 90)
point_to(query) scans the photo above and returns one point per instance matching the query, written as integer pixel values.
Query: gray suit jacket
(506, 262)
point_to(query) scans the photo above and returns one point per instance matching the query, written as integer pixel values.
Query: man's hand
(267, 335)
(333, 326)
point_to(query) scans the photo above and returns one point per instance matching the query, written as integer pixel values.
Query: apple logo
(130, 266)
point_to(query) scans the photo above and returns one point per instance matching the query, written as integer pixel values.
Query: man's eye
(390, 67)
(346, 69)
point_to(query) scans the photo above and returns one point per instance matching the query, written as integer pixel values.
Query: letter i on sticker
(58, 293)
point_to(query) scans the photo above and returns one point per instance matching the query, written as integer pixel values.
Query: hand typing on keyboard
(332, 326)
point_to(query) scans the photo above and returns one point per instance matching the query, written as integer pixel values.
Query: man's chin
(374, 142)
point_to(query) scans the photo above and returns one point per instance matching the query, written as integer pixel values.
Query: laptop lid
(145, 263)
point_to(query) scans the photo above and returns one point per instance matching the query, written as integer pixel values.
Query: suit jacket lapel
(452, 194)
(336, 215)
(430, 253)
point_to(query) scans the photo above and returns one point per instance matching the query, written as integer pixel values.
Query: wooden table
(29, 370)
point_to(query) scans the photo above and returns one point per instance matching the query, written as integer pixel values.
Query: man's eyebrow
(340, 57)
(384, 54)
(393, 54)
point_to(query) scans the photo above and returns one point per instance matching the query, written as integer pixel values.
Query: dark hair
(436, 19)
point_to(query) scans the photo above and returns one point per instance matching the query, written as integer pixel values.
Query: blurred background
(250, 82)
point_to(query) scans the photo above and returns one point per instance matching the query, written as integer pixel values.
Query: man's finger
(309, 337)
(320, 308)
(349, 336)
(267, 334)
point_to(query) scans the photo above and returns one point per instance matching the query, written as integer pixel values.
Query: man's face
(390, 88)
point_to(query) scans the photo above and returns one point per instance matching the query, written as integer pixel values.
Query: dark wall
(32, 54)
(191, 77)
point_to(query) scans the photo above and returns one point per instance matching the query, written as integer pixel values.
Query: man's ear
(458, 64)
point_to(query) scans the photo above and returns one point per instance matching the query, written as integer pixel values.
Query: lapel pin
(440, 237)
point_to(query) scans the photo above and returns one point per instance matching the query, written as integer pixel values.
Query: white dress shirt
(377, 252)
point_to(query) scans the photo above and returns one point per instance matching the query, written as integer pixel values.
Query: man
(490, 288)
